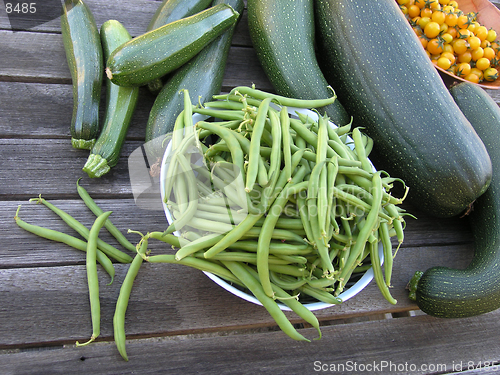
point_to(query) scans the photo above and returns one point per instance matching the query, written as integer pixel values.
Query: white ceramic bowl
(351, 289)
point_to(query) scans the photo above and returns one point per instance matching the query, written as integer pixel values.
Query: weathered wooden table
(179, 321)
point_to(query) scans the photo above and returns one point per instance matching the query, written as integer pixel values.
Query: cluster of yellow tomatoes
(454, 40)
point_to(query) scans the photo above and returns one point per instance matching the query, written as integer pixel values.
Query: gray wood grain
(414, 345)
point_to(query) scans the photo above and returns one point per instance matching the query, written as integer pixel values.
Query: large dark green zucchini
(282, 33)
(454, 293)
(120, 105)
(373, 59)
(202, 77)
(159, 52)
(85, 61)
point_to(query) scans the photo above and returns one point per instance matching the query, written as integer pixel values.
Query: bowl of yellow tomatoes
(460, 37)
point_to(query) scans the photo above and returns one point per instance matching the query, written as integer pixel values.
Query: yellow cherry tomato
(489, 53)
(490, 74)
(477, 53)
(471, 77)
(463, 69)
(483, 63)
(432, 30)
(459, 46)
(474, 42)
(465, 57)
(481, 32)
(435, 46)
(443, 63)
(492, 35)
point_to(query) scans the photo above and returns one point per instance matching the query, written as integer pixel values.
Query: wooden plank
(379, 347)
(52, 167)
(40, 57)
(50, 109)
(56, 297)
(128, 215)
(133, 14)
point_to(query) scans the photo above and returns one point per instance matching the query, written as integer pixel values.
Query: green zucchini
(282, 34)
(170, 11)
(202, 77)
(120, 105)
(173, 10)
(454, 293)
(82, 45)
(374, 61)
(160, 51)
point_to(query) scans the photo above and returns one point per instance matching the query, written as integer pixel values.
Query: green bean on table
(92, 277)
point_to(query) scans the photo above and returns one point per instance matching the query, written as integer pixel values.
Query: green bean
(304, 217)
(387, 247)
(234, 235)
(167, 238)
(74, 242)
(287, 151)
(275, 248)
(227, 115)
(238, 98)
(188, 113)
(283, 100)
(320, 294)
(232, 124)
(197, 245)
(363, 235)
(124, 296)
(178, 130)
(322, 139)
(92, 277)
(377, 274)
(244, 257)
(188, 214)
(265, 239)
(360, 150)
(322, 203)
(293, 303)
(92, 206)
(397, 223)
(241, 272)
(275, 159)
(197, 263)
(83, 231)
(254, 152)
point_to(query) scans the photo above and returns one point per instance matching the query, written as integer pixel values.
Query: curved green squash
(120, 106)
(282, 33)
(373, 59)
(82, 45)
(170, 11)
(202, 77)
(454, 293)
(173, 10)
(159, 52)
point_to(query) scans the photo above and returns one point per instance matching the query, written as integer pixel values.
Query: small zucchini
(384, 79)
(170, 11)
(454, 293)
(85, 61)
(282, 33)
(120, 106)
(160, 51)
(202, 77)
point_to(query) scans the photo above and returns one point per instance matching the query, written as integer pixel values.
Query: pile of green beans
(283, 205)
